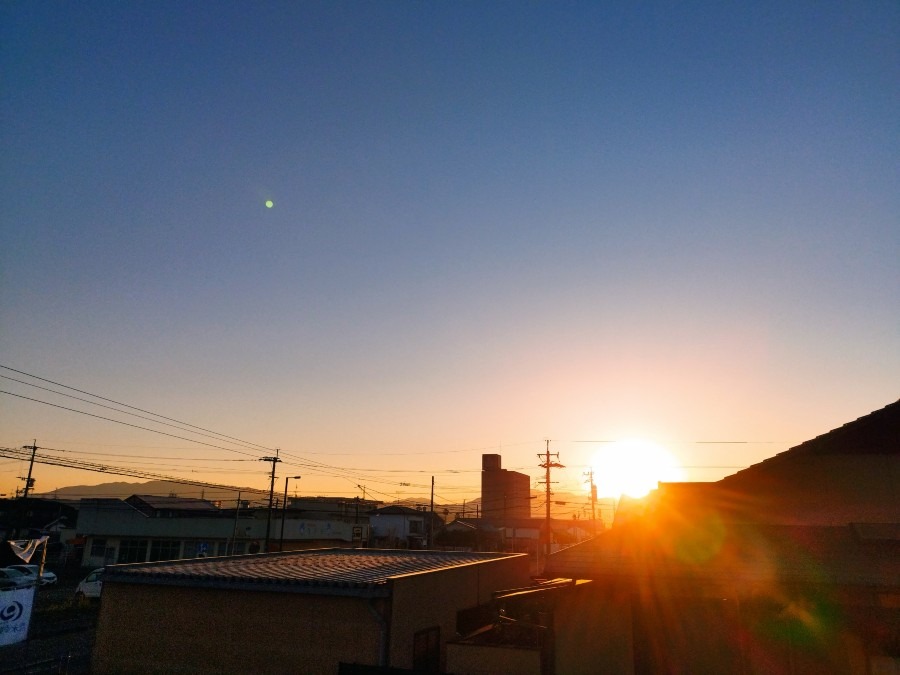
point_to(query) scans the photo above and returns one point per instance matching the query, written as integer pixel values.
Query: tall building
(504, 494)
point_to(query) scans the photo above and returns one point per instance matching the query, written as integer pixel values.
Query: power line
(119, 454)
(607, 441)
(212, 435)
(128, 424)
(14, 453)
(125, 405)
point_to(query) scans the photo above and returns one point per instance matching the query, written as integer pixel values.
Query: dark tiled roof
(736, 552)
(360, 572)
(846, 475)
(877, 433)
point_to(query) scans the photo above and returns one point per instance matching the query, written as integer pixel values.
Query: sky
(492, 224)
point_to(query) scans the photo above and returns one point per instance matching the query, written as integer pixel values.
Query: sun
(633, 467)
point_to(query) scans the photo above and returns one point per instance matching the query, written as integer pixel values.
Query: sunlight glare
(633, 467)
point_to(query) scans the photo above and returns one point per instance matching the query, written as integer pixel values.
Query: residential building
(145, 528)
(399, 526)
(504, 494)
(295, 612)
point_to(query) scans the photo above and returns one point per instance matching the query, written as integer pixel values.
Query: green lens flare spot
(269, 203)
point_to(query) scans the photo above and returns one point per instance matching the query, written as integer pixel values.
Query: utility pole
(548, 464)
(237, 510)
(431, 519)
(274, 461)
(284, 509)
(590, 475)
(29, 482)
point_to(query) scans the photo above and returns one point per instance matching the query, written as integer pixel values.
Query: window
(199, 549)
(164, 549)
(427, 650)
(98, 548)
(415, 527)
(132, 550)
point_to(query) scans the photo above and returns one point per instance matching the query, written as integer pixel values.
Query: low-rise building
(399, 526)
(295, 612)
(145, 528)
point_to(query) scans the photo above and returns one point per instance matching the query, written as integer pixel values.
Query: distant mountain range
(122, 489)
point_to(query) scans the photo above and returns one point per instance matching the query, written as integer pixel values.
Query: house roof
(488, 524)
(397, 510)
(174, 503)
(877, 433)
(354, 572)
(738, 553)
(847, 475)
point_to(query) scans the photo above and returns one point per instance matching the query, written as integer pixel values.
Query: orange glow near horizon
(633, 467)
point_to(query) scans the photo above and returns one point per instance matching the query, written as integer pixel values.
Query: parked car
(90, 586)
(17, 577)
(7, 584)
(33, 570)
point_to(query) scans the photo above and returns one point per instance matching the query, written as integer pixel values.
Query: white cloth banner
(25, 548)
(15, 614)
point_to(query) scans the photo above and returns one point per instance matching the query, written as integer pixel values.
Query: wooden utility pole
(431, 519)
(237, 510)
(548, 464)
(29, 482)
(274, 461)
(590, 475)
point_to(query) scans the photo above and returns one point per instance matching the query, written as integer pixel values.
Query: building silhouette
(504, 494)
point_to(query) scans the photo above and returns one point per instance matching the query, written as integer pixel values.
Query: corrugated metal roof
(325, 571)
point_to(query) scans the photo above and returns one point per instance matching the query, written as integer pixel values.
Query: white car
(18, 578)
(91, 586)
(33, 570)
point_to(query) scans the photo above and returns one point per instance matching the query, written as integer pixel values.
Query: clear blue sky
(493, 223)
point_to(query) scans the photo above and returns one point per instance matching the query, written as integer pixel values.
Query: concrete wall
(593, 631)
(618, 628)
(465, 659)
(395, 527)
(165, 629)
(505, 494)
(421, 601)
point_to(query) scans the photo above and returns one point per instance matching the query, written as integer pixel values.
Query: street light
(284, 509)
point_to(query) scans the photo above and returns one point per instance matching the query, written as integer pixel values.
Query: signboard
(357, 533)
(15, 614)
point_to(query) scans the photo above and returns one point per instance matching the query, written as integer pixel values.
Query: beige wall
(610, 626)
(170, 629)
(592, 629)
(424, 600)
(164, 629)
(465, 659)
